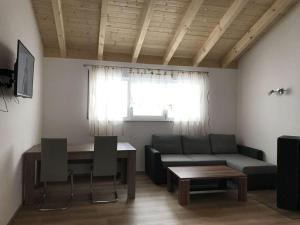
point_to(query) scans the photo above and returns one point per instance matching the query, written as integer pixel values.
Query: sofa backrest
(167, 144)
(223, 144)
(212, 144)
(196, 145)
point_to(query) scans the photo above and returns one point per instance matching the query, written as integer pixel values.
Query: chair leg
(43, 208)
(91, 185)
(43, 202)
(72, 186)
(44, 195)
(115, 188)
(94, 201)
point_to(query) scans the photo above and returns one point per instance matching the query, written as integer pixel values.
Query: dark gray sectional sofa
(214, 149)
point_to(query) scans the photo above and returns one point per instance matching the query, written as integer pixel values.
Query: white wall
(65, 108)
(20, 128)
(274, 62)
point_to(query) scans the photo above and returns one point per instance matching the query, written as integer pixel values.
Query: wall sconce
(279, 91)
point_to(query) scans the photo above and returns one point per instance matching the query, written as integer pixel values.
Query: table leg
(184, 192)
(170, 185)
(131, 172)
(242, 188)
(29, 191)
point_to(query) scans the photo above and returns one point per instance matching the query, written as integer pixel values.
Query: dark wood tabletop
(206, 172)
(89, 147)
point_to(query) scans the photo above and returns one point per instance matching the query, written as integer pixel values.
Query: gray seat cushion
(167, 144)
(193, 145)
(190, 160)
(175, 160)
(223, 143)
(248, 165)
(206, 159)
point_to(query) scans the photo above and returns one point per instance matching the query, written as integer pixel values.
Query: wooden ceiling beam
(143, 30)
(265, 21)
(230, 15)
(102, 28)
(60, 29)
(183, 27)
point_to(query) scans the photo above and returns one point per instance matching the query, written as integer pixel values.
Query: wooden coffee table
(186, 174)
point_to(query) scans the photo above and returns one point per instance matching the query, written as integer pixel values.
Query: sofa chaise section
(261, 175)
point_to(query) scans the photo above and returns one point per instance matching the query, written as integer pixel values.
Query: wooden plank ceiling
(213, 33)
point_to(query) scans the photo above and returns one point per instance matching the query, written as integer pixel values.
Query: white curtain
(107, 102)
(182, 95)
(190, 104)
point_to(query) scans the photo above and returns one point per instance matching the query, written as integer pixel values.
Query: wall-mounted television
(23, 71)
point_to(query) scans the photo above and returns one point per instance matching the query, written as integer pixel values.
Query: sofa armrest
(150, 153)
(155, 158)
(154, 151)
(251, 152)
(156, 167)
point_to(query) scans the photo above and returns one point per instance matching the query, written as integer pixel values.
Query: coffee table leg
(184, 192)
(242, 188)
(170, 185)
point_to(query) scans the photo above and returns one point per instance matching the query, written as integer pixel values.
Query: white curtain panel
(190, 105)
(107, 102)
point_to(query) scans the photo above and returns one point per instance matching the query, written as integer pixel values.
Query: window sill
(147, 120)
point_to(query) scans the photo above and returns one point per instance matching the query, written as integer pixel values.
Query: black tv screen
(24, 70)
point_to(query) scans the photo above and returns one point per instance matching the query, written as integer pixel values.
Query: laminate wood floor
(155, 206)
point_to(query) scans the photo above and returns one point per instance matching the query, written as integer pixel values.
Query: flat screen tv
(24, 70)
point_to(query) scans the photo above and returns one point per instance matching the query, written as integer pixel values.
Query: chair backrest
(105, 156)
(54, 160)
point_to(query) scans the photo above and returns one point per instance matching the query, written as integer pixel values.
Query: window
(148, 97)
(117, 95)
(166, 97)
(145, 99)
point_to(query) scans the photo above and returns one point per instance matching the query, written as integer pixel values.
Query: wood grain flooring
(155, 206)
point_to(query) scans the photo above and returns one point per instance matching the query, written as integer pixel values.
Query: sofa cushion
(223, 144)
(206, 159)
(193, 145)
(167, 144)
(247, 165)
(175, 160)
(190, 160)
